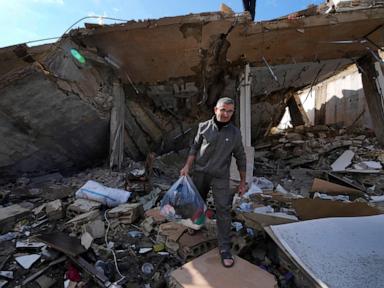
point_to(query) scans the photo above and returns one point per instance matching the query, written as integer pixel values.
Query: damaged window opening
(99, 181)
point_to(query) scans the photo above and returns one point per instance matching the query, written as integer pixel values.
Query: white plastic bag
(254, 189)
(183, 201)
(111, 197)
(263, 183)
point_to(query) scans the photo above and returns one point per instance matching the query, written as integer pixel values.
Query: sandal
(226, 255)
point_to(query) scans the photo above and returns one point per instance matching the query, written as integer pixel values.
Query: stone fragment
(54, 210)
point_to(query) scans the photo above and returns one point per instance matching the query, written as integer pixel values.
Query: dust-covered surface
(339, 252)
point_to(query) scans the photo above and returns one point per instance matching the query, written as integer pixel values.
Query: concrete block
(95, 228)
(82, 206)
(127, 213)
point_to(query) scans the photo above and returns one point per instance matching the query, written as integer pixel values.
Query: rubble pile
(51, 234)
(295, 157)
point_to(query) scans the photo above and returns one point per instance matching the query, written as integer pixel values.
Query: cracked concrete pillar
(372, 75)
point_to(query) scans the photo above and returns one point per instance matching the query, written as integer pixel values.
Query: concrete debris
(45, 281)
(126, 213)
(54, 210)
(6, 274)
(288, 191)
(86, 240)
(28, 260)
(81, 206)
(95, 228)
(27, 244)
(10, 215)
(343, 161)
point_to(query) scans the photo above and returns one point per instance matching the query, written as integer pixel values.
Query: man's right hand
(184, 171)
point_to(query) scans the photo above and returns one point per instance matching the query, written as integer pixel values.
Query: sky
(27, 20)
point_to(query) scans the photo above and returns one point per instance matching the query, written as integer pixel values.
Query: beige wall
(339, 99)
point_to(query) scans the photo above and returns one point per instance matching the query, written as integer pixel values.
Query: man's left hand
(241, 188)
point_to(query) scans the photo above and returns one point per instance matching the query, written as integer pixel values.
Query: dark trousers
(223, 198)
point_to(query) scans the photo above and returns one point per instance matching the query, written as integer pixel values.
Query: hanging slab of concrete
(207, 271)
(336, 252)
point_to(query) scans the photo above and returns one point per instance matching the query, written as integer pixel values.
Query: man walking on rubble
(215, 142)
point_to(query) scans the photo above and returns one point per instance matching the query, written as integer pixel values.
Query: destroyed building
(118, 104)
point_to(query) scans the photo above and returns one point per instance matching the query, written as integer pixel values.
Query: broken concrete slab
(95, 228)
(343, 161)
(84, 218)
(207, 271)
(27, 261)
(81, 206)
(6, 274)
(10, 215)
(54, 210)
(62, 242)
(259, 220)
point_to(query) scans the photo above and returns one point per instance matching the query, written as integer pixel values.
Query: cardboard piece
(307, 209)
(330, 188)
(207, 271)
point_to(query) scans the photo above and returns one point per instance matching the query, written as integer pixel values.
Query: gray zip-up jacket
(214, 149)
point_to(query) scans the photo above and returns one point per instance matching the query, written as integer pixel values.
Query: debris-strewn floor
(50, 236)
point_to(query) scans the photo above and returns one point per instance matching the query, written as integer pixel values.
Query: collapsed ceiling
(55, 111)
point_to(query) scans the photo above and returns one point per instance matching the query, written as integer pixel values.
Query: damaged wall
(172, 71)
(50, 116)
(338, 100)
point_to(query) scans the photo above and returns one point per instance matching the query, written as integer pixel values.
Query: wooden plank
(116, 144)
